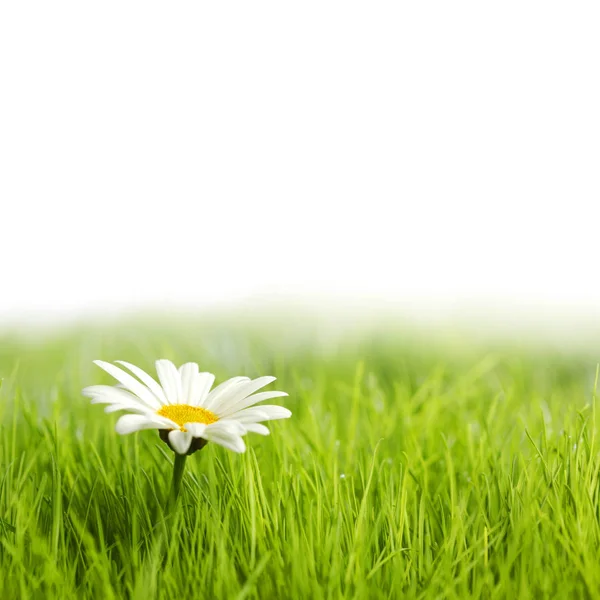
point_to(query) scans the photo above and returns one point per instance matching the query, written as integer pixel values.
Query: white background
(187, 154)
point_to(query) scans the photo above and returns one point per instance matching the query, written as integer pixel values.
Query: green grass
(407, 471)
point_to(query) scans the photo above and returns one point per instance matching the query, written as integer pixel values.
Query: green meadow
(412, 467)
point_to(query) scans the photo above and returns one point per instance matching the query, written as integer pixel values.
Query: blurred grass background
(416, 465)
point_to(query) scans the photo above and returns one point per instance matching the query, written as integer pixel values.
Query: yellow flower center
(184, 413)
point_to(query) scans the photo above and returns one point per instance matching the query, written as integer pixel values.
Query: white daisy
(182, 406)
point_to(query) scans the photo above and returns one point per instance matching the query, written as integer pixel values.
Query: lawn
(412, 467)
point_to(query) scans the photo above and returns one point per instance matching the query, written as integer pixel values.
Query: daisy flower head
(182, 406)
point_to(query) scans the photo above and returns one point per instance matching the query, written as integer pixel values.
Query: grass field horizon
(413, 466)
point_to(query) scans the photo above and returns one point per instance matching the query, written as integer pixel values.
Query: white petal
(105, 394)
(130, 423)
(188, 374)
(247, 401)
(127, 402)
(169, 379)
(95, 390)
(256, 416)
(196, 429)
(257, 428)
(130, 406)
(180, 441)
(222, 390)
(132, 384)
(147, 380)
(204, 382)
(227, 440)
(107, 400)
(227, 426)
(239, 393)
(265, 412)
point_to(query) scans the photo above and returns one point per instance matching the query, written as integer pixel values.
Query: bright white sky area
(425, 154)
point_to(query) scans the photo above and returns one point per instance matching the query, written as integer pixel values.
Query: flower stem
(178, 468)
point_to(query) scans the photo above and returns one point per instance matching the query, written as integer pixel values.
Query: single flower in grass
(182, 406)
